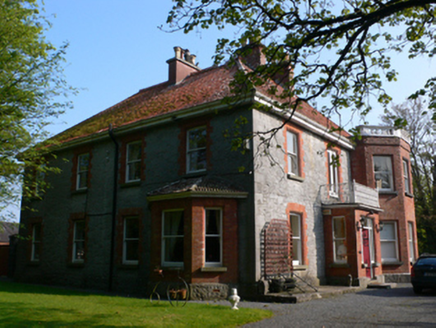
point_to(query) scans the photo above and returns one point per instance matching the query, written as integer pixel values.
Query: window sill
(388, 192)
(214, 269)
(396, 263)
(172, 268)
(79, 191)
(408, 194)
(130, 184)
(194, 174)
(300, 267)
(126, 266)
(76, 264)
(295, 177)
(339, 265)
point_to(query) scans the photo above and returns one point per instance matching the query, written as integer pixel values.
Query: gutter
(114, 208)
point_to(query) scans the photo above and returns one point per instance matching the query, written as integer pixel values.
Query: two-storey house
(152, 184)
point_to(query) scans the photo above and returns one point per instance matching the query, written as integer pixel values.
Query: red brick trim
(77, 152)
(300, 210)
(182, 143)
(73, 218)
(123, 156)
(299, 133)
(32, 222)
(122, 214)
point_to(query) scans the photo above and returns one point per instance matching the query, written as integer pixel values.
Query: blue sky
(116, 49)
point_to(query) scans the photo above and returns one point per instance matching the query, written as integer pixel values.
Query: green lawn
(24, 305)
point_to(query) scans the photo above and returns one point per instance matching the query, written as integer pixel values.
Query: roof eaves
(156, 120)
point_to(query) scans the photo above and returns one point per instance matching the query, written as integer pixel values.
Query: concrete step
(379, 285)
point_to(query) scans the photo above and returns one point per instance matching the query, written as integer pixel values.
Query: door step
(379, 285)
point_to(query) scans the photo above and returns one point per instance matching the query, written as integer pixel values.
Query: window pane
(383, 171)
(385, 180)
(134, 171)
(340, 251)
(79, 231)
(295, 225)
(173, 249)
(197, 160)
(131, 228)
(213, 249)
(292, 143)
(131, 252)
(134, 151)
(83, 177)
(388, 250)
(173, 223)
(213, 222)
(339, 228)
(83, 162)
(36, 251)
(388, 231)
(79, 250)
(37, 232)
(197, 138)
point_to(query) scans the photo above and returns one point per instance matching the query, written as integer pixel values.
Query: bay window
(173, 238)
(389, 242)
(383, 173)
(339, 240)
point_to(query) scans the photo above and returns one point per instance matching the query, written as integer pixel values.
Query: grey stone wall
(274, 190)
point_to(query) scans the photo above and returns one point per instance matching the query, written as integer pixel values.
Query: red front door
(366, 251)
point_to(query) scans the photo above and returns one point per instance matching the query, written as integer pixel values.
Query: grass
(24, 305)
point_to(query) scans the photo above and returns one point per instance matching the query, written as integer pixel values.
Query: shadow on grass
(13, 287)
(13, 314)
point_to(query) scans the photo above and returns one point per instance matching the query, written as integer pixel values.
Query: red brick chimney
(252, 55)
(181, 65)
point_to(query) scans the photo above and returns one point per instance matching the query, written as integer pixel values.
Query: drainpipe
(114, 208)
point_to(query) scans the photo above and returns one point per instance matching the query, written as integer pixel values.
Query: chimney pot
(177, 52)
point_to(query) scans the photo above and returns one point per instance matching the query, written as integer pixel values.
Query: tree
(415, 118)
(31, 83)
(335, 49)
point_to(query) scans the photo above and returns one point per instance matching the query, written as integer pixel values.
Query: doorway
(367, 235)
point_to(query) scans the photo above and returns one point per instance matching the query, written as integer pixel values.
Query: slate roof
(7, 229)
(204, 184)
(202, 87)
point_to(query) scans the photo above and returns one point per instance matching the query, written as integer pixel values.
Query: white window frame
(292, 153)
(219, 235)
(194, 150)
(36, 242)
(411, 242)
(389, 172)
(339, 239)
(79, 172)
(406, 176)
(130, 162)
(126, 240)
(333, 173)
(385, 241)
(77, 240)
(164, 237)
(296, 240)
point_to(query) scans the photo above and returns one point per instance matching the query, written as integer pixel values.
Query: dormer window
(196, 150)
